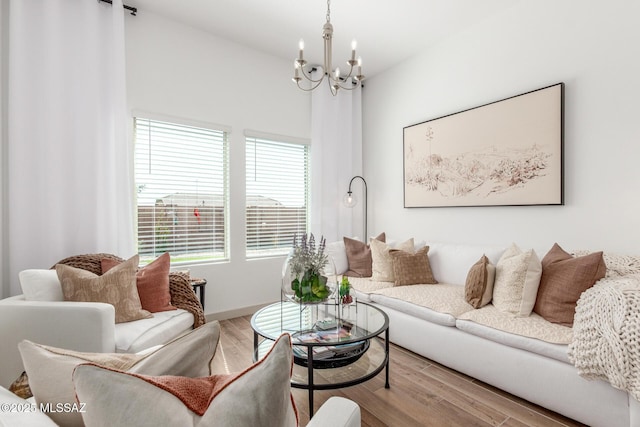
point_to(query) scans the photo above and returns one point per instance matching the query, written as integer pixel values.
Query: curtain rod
(133, 10)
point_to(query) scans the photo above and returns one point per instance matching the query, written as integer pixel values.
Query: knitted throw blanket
(606, 332)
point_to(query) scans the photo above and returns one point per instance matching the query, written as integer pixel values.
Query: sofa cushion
(440, 303)
(520, 332)
(450, 262)
(359, 257)
(517, 280)
(116, 287)
(478, 289)
(258, 396)
(40, 285)
(50, 369)
(152, 282)
(564, 279)
(412, 269)
(364, 286)
(382, 263)
(163, 326)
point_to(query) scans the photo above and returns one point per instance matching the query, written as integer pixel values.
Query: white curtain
(336, 156)
(70, 185)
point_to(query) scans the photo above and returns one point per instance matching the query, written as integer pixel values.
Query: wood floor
(422, 393)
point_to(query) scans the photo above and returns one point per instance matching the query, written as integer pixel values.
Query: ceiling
(387, 32)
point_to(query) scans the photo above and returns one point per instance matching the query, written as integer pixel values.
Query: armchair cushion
(50, 369)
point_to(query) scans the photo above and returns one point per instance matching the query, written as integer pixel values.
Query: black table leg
(386, 349)
(255, 346)
(310, 375)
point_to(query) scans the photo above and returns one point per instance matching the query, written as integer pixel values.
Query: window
(182, 185)
(277, 194)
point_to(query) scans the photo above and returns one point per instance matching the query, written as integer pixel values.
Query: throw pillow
(337, 252)
(517, 280)
(116, 287)
(152, 282)
(564, 279)
(382, 263)
(359, 256)
(50, 369)
(412, 269)
(40, 285)
(478, 289)
(259, 396)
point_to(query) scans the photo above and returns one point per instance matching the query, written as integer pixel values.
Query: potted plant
(307, 271)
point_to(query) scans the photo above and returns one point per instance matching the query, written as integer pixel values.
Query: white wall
(179, 71)
(593, 49)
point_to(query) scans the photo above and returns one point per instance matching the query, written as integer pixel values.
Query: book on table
(325, 336)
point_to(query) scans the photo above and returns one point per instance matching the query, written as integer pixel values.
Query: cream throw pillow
(382, 265)
(50, 369)
(259, 396)
(117, 287)
(40, 285)
(517, 280)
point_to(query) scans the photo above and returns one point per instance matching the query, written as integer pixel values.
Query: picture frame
(506, 153)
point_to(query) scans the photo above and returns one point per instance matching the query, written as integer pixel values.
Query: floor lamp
(350, 201)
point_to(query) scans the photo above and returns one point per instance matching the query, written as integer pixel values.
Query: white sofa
(531, 368)
(80, 326)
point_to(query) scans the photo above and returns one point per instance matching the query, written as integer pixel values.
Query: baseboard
(244, 311)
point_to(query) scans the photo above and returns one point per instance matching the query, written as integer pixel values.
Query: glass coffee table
(333, 346)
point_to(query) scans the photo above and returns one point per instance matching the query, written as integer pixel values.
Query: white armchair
(86, 326)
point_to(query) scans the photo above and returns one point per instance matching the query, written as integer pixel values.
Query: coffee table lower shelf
(336, 361)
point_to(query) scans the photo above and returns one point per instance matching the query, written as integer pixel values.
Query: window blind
(181, 176)
(277, 191)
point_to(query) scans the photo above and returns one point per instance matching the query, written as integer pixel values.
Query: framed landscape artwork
(506, 153)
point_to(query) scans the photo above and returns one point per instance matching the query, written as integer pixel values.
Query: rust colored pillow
(478, 288)
(564, 279)
(359, 257)
(152, 281)
(412, 269)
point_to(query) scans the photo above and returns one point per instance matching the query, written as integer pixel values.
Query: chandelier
(336, 80)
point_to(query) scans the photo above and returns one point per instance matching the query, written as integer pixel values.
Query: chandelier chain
(328, 10)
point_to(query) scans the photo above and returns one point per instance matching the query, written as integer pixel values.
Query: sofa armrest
(80, 326)
(337, 412)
